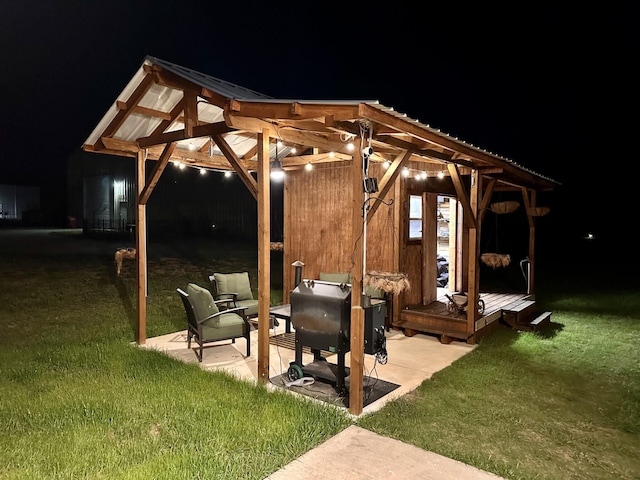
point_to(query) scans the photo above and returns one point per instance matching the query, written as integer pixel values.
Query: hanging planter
(495, 260)
(538, 211)
(388, 282)
(504, 207)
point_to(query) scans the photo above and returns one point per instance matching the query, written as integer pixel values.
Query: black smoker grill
(321, 316)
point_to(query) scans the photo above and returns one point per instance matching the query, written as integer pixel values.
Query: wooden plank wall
(317, 211)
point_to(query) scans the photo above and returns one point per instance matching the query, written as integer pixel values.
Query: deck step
(519, 313)
(541, 320)
(519, 306)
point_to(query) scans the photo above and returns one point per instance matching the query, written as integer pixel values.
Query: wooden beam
(123, 113)
(357, 312)
(237, 165)
(486, 198)
(463, 198)
(120, 145)
(190, 112)
(149, 112)
(264, 256)
(173, 116)
(214, 98)
(429, 266)
(298, 137)
(141, 252)
(388, 180)
(254, 125)
(177, 135)
(293, 110)
(318, 158)
(171, 80)
(474, 257)
(528, 204)
(162, 163)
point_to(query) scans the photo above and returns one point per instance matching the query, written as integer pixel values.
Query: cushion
(335, 277)
(234, 282)
(374, 292)
(202, 302)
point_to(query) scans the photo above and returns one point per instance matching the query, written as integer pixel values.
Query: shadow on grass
(125, 298)
(549, 331)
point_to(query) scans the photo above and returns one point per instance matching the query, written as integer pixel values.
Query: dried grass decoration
(504, 207)
(388, 282)
(495, 260)
(124, 254)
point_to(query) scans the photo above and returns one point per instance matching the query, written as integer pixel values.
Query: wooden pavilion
(355, 171)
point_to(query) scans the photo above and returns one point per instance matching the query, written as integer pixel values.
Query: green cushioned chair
(337, 277)
(208, 323)
(235, 286)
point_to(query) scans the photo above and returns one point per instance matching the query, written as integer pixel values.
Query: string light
(277, 172)
(308, 167)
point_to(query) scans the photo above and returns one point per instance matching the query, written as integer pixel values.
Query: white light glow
(277, 175)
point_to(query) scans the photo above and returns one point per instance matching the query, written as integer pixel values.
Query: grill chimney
(298, 278)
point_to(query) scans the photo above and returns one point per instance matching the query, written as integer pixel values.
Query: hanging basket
(495, 260)
(538, 211)
(388, 282)
(504, 207)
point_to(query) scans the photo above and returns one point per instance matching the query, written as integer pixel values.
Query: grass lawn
(78, 400)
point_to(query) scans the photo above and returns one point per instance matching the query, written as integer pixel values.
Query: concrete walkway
(358, 454)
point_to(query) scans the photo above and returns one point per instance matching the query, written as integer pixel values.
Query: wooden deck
(516, 309)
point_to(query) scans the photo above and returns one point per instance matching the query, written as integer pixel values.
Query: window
(415, 217)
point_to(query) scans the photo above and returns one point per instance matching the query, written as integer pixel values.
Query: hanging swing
(497, 260)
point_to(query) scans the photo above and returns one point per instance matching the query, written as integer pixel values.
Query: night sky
(549, 88)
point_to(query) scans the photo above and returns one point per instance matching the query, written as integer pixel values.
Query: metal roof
(221, 87)
(155, 103)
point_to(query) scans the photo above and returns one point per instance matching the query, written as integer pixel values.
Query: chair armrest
(238, 310)
(226, 300)
(234, 295)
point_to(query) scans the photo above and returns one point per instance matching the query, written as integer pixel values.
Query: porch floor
(435, 317)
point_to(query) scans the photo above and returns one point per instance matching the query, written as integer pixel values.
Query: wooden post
(474, 256)
(531, 289)
(357, 312)
(398, 240)
(141, 250)
(429, 247)
(264, 254)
